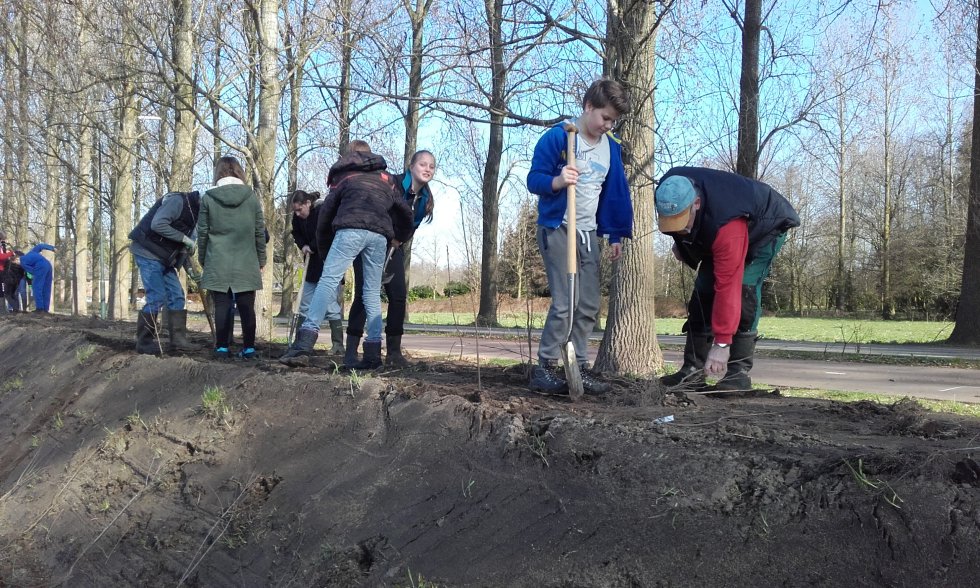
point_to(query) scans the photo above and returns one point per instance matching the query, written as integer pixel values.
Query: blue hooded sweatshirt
(614, 216)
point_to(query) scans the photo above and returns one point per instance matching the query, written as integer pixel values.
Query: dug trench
(119, 469)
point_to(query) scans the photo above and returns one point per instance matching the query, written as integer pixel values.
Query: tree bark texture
(183, 151)
(967, 328)
(747, 162)
(487, 314)
(629, 344)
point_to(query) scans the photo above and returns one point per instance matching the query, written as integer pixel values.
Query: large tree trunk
(417, 16)
(24, 185)
(967, 328)
(53, 188)
(295, 68)
(747, 163)
(265, 149)
(122, 197)
(83, 196)
(181, 171)
(344, 91)
(487, 314)
(629, 344)
(887, 305)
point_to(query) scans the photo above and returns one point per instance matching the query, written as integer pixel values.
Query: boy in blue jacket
(603, 209)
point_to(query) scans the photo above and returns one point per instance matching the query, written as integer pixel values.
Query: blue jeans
(306, 296)
(347, 245)
(161, 284)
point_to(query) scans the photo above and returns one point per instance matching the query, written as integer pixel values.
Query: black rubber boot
(691, 375)
(393, 353)
(740, 360)
(298, 354)
(350, 356)
(177, 327)
(371, 359)
(337, 337)
(147, 334)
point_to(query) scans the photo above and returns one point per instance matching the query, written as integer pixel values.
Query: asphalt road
(895, 380)
(937, 383)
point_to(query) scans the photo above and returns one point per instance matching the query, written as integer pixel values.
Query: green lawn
(790, 329)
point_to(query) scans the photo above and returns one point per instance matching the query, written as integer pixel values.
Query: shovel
(293, 327)
(387, 277)
(572, 374)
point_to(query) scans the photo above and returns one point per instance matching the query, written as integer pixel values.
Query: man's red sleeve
(728, 253)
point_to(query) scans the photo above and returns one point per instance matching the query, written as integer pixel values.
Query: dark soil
(112, 474)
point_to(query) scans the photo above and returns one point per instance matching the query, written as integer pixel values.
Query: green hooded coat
(231, 239)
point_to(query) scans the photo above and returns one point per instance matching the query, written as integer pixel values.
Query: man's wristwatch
(722, 345)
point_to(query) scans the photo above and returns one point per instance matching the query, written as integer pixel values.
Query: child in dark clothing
(365, 211)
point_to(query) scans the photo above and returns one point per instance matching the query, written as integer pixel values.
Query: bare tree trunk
(967, 328)
(747, 163)
(24, 185)
(182, 167)
(83, 196)
(53, 187)
(122, 198)
(346, 55)
(265, 148)
(840, 294)
(487, 314)
(887, 305)
(295, 69)
(629, 344)
(416, 15)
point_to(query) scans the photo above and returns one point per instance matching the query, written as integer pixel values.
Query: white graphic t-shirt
(592, 162)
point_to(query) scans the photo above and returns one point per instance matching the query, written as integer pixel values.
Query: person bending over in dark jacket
(413, 184)
(162, 241)
(366, 212)
(729, 228)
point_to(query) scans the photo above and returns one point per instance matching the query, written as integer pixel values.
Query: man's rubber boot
(177, 327)
(337, 337)
(393, 355)
(147, 334)
(371, 359)
(545, 378)
(740, 362)
(350, 356)
(298, 354)
(690, 377)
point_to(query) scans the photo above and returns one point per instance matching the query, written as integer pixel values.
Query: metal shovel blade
(572, 374)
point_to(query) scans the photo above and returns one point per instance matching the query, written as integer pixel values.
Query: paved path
(937, 383)
(920, 381)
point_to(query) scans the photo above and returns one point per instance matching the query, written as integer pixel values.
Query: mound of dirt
(119, 469)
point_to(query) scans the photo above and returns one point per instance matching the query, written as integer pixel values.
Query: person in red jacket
(8, 279)
(729, 228)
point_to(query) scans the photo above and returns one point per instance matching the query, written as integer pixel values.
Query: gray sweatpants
(553, 244)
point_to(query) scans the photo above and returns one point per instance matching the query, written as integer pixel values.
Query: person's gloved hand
(190, 244)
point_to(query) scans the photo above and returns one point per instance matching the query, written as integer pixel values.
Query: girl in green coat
(231, 249)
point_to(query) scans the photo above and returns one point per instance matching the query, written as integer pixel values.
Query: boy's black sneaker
(544, 378)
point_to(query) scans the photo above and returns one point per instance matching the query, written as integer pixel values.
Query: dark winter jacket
(304, 233)
(159, 234)
(363, 196)
(726, 196)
